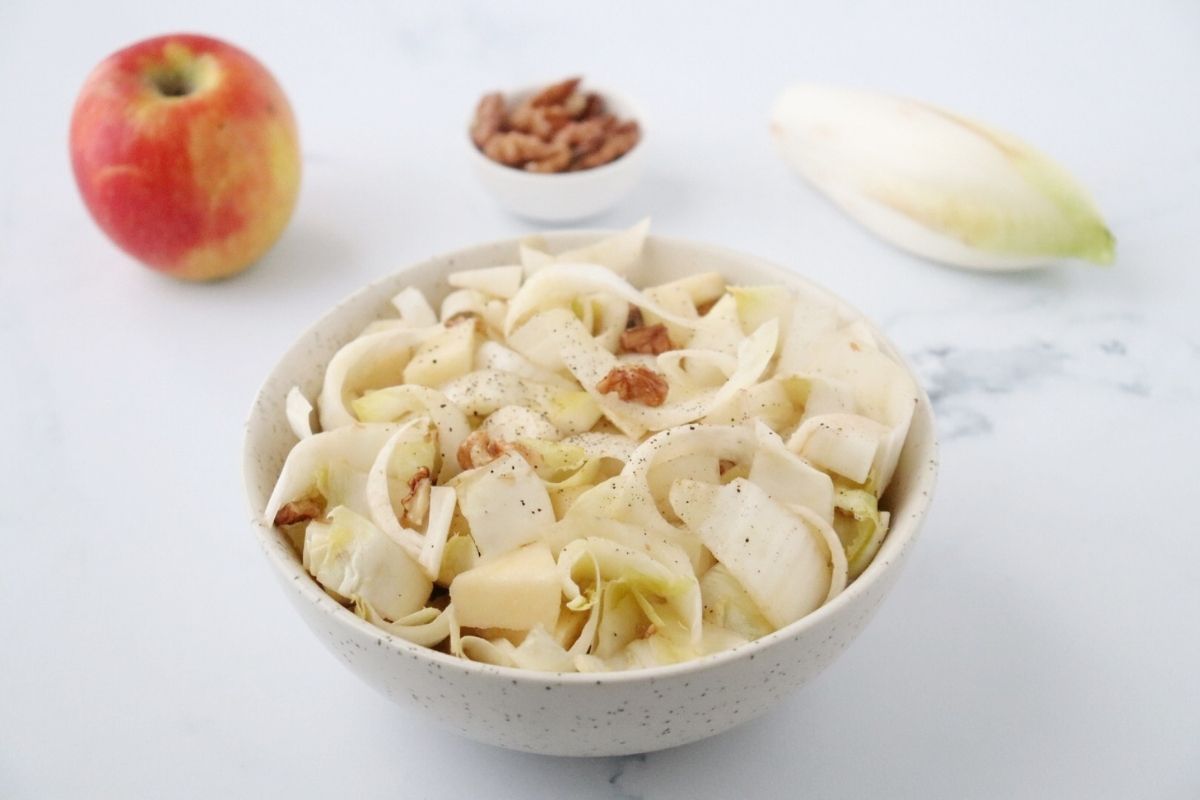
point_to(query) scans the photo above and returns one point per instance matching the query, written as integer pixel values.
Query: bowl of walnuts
(556, 153)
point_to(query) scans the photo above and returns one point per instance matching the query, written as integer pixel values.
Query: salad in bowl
(560, 466)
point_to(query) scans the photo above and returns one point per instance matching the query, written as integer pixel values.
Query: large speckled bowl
(573, 714)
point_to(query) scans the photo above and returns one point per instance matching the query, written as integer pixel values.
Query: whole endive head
(935, 183)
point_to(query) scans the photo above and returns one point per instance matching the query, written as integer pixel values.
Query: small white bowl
(564, 196)
(557, 713)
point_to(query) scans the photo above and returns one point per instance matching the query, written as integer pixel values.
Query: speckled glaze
(573, 714)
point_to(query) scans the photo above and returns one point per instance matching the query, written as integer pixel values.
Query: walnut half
(635, 384)
(478, 449)
(646, 339)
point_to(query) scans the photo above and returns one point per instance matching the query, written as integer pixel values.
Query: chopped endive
(400, 403)
(843, 443)
(356, 562)
(299, 413)
(368, 362)
(858, 525)
(458, 556)
(427, 626)
(561, 286)
(728, 605)
(500, 282)
(309, 462)
(769, 549)
(756, 305)
(787, 478)
(935, 183)
(505, 503)
(619, 252)
(638, 590)
(495, 356)
(414, 309)
(514, 423)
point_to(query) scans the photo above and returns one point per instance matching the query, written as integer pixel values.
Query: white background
(1044, 641)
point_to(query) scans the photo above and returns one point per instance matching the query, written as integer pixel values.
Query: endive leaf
(936, 184)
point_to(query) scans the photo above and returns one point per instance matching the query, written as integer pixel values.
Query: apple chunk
(518, 591)
(441, 359)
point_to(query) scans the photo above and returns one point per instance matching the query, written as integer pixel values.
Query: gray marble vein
(622, 770)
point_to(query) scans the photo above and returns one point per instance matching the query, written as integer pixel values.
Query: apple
(185, 151)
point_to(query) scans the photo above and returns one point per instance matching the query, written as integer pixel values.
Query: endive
(937, 184)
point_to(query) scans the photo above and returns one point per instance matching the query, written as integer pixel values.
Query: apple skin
(185, 151)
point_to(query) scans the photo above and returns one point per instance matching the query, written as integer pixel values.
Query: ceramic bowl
(573, 714)
(563, 196)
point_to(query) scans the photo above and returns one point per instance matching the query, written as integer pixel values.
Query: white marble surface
(1045, 640)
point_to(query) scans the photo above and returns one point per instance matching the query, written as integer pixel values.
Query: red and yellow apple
(185, 151)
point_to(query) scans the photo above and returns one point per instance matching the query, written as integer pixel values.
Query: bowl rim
(566, 178)
(292, 570)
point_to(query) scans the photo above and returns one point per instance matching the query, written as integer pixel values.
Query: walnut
(515, 149)
(593, 106)
(542, 121)
(619, 141)
(556, 161)
(575, 105)
(586, 136)
(416, 502)
(555, 93)
(489, 118)
(478, 449)
(635, 384)
(302, 510)
(465, 317)
(557, 129)
(646, 339)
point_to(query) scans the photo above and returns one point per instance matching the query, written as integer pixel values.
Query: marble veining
(623, 769)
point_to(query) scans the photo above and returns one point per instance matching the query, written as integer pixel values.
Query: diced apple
(518, 591)
(443, 358)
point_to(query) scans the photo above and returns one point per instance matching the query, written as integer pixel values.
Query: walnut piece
(489, 118)
(635, 383)
(587, 136)
(465, 317)
(514, 148)
(542, 121)
(555, 93)
(302, 510)
(478, 449)
(619, 141)
(646, 339)
(556, 161)
(416, 502)
(593, 106)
